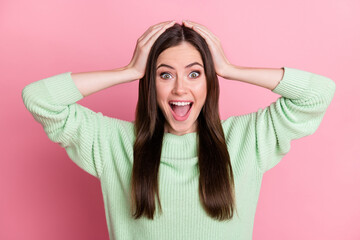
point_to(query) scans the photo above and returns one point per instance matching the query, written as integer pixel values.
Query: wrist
(230, 71)
(127, 73)
(124, 75)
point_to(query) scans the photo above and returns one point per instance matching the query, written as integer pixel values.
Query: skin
(180, 83)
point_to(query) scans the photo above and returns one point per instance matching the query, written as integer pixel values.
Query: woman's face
(180, 79)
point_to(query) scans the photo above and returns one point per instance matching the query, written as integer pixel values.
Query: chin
(183, 127)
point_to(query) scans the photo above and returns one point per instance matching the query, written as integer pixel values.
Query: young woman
(178, 171)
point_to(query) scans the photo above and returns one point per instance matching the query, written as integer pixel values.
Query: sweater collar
(179, 147)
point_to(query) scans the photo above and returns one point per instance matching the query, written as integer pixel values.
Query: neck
(169, 129)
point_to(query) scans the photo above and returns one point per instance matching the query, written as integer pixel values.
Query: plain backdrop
(313, 193)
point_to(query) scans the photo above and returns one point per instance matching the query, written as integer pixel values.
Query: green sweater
(103, 147)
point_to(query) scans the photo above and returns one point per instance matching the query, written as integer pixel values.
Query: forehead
(180, 55)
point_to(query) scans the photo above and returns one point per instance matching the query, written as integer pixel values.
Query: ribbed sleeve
(81, 131)
(305, 96)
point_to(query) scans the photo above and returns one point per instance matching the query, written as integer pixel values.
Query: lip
(183, 118)
(180, 101)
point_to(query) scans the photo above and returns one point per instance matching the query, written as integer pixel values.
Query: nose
(179, 86)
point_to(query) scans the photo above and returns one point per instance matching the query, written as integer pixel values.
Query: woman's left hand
(220, 61)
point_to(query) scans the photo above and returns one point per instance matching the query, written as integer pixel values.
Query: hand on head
(144, 44)
(220, 61)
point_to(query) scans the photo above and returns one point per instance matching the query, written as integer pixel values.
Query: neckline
(179, 146)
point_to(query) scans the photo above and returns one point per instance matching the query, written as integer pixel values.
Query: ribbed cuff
(63, 89)
(293, 83)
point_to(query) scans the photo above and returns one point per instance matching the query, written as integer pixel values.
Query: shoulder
(121, 129)
(238, 130)
(236, 123)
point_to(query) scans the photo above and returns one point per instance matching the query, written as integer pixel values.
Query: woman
(200, 169)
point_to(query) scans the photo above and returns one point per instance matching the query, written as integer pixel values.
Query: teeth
(180, 103)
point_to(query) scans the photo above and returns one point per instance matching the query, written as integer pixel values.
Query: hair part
(216, 181)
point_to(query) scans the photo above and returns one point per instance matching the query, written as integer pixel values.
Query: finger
(191, 23)
(204, 32)
(153, 37)
(156, 26)
(152, 30)
(203, 28)
(194, 23)
(165, 22)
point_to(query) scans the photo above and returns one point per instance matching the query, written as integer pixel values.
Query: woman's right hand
(143, 46)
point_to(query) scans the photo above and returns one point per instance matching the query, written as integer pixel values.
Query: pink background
(313, 193)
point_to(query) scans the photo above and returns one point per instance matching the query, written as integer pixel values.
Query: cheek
(200, 90)
(161, 94)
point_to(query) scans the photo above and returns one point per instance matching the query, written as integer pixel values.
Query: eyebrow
(190, 65)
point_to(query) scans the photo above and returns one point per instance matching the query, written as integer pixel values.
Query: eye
(197, 72)
(164, 74)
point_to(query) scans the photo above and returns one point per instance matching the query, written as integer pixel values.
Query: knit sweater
(103, 147)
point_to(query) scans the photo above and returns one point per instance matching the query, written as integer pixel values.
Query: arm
(82, 132)
(305, 97)
(264, 77)
(91, 82)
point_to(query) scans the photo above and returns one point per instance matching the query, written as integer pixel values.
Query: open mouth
(181, 111)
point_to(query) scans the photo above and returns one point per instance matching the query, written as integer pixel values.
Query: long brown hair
(216, 181)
